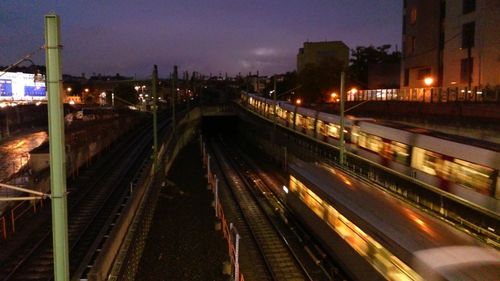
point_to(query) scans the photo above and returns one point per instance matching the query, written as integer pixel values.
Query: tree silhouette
(363, 57)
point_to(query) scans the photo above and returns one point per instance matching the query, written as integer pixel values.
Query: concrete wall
(486, 50)
(81, 147)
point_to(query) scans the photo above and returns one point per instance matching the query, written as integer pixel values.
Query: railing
(18, 211)
(228, 229)
(429, 94)
(4, 228)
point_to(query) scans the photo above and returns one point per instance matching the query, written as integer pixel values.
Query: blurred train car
(378, 237)
(465, 167)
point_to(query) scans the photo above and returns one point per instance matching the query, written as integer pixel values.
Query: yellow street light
(86, 90)
(298, 101)
(428, 81)
(69, 89)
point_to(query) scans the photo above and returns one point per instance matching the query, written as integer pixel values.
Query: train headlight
(285, 189)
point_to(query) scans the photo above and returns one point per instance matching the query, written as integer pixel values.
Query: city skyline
(218, 37)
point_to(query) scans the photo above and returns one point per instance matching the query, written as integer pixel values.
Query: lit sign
(5, 88)
(17, 86)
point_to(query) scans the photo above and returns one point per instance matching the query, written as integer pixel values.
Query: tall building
(315, 52)
(472, 43)
(422, 45)
(455, 42)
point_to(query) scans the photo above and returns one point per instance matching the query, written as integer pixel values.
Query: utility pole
(56, 148)
(341, 135)
(187, 90)
(154, 82)
(469, 67)
(174, 94)
(274, 110)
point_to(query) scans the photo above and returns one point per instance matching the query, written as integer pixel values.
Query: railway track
(269, 182)
(280, 262)
(92, 200)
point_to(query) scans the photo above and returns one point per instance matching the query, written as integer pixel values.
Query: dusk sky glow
(208, 36)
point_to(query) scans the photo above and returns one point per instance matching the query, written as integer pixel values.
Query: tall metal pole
(187, 89)
(174, 94)
(342, 100)
(56, 148)
(154, 82)
(275, 116)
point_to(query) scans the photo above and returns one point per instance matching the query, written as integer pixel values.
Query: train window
(281, 113)
(333, 130)
(294, 184)
(355, 134)
(314, 203)
(424, 160)
(299, 120)
(472, 175)
(400, 152)
(374, 143)
(332, 217)
(362, 139)
(310, 123)
(370, 142)
(290, 116)
(321, 127)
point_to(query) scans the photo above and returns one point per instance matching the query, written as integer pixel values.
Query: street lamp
(333, 97)
(428, 81)
(102, 99)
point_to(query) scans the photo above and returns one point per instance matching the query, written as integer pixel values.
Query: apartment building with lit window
(455, 42)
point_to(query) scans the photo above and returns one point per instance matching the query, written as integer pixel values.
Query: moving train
(378, 237)
(462, 166)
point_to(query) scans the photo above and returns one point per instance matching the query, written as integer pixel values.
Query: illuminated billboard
(17, 86)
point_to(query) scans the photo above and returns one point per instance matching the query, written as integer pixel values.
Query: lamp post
(428, 81)
(174, 94)
(155, 133)
(275, 97)
(341, 135)
(342, 151)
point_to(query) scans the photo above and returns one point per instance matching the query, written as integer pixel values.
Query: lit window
(413, 15)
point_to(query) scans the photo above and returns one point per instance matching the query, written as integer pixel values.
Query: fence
(429, 94)
(229, 230)
(16, 212)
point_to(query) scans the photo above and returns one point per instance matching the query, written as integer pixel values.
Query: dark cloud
(215, 36)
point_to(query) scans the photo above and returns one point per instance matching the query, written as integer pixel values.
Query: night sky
(208, 36)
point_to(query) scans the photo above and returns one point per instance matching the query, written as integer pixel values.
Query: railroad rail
(91, 201)
(269, 181)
